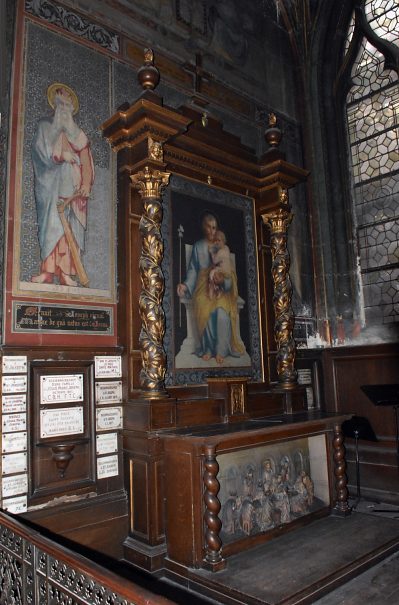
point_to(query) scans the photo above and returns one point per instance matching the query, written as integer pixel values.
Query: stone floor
(291, 569)
(378, 585)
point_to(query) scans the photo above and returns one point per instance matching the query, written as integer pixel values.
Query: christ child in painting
(221, 261)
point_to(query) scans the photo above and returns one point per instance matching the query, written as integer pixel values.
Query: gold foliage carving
(150, 184)
(278, 223)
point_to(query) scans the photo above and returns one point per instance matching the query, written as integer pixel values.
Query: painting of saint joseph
(210, 296)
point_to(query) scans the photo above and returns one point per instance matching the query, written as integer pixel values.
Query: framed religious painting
(60, 279)
(211, 300)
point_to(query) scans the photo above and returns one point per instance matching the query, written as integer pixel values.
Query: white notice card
(14, 384)
(14, 442)
(62, 421)
(12, 423)
(108, 367)
(14, 463)
(109, 392)
(13, 403)
(14, 364)
(16, 505)
(108, 418)
(16, 484)
(107, 467)
(106, 443)
(61, 388)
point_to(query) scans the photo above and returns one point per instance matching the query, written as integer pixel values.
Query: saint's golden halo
(51, 92)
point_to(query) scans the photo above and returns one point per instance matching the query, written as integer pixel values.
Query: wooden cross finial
(198, 72)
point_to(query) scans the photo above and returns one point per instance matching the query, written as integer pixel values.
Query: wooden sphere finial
(273, 134)
(148, 74)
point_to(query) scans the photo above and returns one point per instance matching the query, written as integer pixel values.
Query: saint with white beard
(63, 167)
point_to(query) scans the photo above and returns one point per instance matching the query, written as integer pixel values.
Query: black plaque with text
(54, 318)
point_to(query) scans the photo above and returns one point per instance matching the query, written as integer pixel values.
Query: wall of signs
(65, 412)
(14, 435)
(109, 415)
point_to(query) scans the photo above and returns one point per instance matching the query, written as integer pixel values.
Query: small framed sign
(61, 421)
(109, 418)
(108, 367)
(109, 392)
(14, 364)
(107, 467)
(61, 388)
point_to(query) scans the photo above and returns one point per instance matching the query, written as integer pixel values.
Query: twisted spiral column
(213, 544)
(278, 222)
(341, 506)
(150, 184)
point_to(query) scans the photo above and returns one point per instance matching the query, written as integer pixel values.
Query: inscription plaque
(16, 505)
(310, 398)
(13, 403)
(107, 467)
(14, 442)
(65, 320)
(14, 384)
(16, 484)
(14, 463)
(108, 418)
(60, 388)
(108, 367)
(109, 392)
(14, 364)
(107, 443)
(12, 423)
(62, 421)
(304, 376)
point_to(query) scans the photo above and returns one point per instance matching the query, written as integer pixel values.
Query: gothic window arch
(372, 111)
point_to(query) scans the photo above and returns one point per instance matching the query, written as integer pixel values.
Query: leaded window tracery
(373, 134)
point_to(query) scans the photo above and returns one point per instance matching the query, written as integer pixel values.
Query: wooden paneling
(345, 370)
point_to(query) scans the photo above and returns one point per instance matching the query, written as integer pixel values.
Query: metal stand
(358, 495)
(357, 428)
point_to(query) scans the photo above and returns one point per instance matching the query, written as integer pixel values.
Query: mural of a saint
(211, 286)
(64, 176)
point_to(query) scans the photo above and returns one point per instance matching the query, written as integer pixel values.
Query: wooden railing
(36, 570)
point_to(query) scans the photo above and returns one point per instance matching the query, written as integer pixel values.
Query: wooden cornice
(147, 116)
(195, 145)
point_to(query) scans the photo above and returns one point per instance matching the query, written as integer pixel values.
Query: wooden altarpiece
(153, 142)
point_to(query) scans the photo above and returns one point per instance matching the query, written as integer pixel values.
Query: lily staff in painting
(215, 316)
(64, 176)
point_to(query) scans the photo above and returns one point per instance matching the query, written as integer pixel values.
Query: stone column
(278, 221)
(150, 184)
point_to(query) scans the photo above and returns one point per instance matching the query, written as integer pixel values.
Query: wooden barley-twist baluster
(213, 545)
(341, 506)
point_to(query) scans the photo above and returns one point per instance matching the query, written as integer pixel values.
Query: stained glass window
(373, 131)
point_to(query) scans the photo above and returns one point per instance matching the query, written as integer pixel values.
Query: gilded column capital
(278, 220)
(150, 183)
